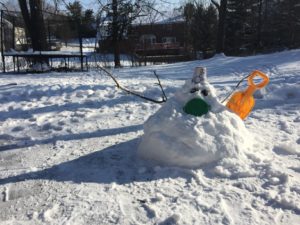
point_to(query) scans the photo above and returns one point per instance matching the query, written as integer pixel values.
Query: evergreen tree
(288, 24)
(238, 31)
(82, 20)
(202, 26)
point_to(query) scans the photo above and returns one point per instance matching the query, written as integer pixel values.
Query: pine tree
(81, 19)
(288, 22)
(239, 30)
(202, 26)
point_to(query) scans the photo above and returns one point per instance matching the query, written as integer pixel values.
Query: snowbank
(175, 138)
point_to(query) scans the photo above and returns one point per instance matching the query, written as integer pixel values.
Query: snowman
(193, 128)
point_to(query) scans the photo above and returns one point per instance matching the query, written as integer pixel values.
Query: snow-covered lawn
(68, 145)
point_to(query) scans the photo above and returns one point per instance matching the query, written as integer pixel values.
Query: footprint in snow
(284, 126)
(296, 169)
(61, 123)
(172, 220)
(48, 103)
(32, 119)
(6, 137)
(17, 129)
(49, 126)
(297, 119)
(79, 114)
(286, 149)
(74, 120)
(150, 212)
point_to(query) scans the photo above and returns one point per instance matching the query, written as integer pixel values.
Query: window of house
(148, 39)
(169, 39)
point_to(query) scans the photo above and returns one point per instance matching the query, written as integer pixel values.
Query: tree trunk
(259, 26)
(222, 8)
(39, 37)
(115, 35)
(34, 22)
(117, 54)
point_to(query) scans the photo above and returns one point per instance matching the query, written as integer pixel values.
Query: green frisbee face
(196, 107)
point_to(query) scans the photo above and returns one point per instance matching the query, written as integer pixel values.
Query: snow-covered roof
(175, 19)
(169, 20)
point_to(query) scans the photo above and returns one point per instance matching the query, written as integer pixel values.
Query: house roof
(174, 19)
(170, 20)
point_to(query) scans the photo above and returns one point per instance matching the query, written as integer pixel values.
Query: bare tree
(222, 9)
(121, 14)
(150, 16)
(33, 18)
(9, 5)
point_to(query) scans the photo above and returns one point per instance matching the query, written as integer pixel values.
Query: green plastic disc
(196, 107)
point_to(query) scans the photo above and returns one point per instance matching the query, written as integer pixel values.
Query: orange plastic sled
(242, 102)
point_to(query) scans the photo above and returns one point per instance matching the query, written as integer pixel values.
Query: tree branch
(164, 97)
(4, 6)
(216, 4)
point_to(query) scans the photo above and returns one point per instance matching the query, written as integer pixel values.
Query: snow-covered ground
(68, 144)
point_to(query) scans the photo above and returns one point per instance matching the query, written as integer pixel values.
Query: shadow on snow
(115, 164)
(70, 137)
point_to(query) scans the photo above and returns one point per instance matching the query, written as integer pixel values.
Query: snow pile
(175, 138)
(284, 92)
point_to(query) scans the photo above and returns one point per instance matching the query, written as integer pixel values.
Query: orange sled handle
(252, 85)
(260, 74)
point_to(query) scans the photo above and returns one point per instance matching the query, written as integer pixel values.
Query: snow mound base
(175, 138)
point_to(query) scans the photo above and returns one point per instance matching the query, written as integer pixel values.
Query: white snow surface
(68, 149)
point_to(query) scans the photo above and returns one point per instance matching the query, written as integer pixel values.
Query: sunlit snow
(69, 141)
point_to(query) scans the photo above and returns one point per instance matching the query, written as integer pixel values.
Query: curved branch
(216, 4)
(159, 84)
(164, 97)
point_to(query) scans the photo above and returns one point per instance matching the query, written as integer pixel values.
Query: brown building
(162, 38)
(159, 41)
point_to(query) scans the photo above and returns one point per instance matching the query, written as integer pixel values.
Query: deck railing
(157, 46)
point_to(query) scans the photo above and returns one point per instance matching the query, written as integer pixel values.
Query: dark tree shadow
(118, 163)
(70, 137)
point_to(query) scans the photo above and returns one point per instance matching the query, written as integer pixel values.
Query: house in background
(162, 41)
(163, 38)
(103, 38)
(14, 37)
(7, 38)
(20, 38)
